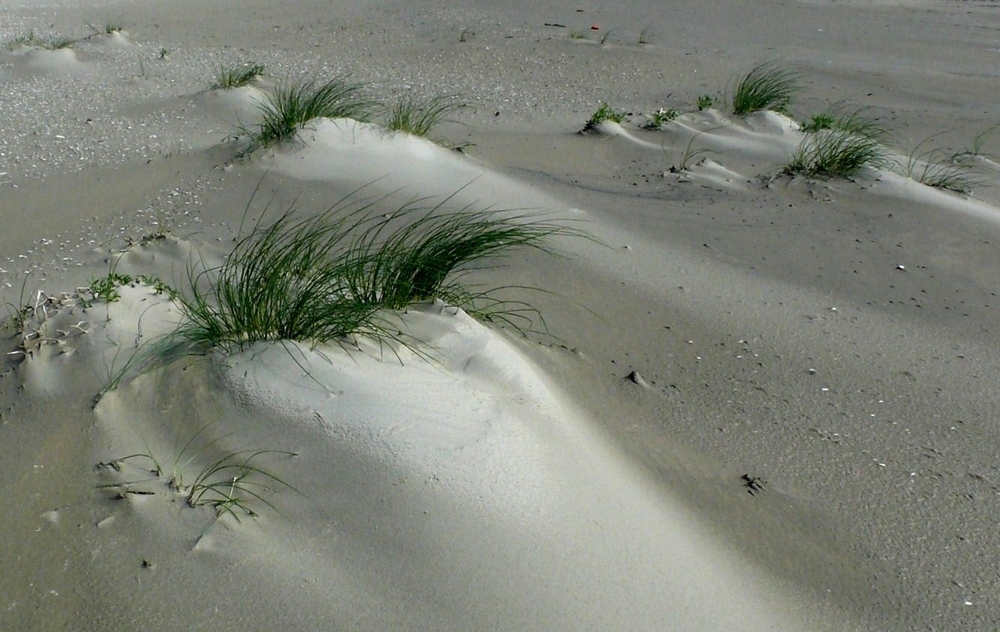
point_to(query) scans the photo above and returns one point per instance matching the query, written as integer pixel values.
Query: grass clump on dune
(417, 116)
(328, 277)
(835, 153)
(294, 104)
(237, 76)
(604, 113)
(767, 86)
(426, 257)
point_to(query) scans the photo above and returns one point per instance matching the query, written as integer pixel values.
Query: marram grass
(237, 76)
(856, 122)
(325, 278)
(767, 86)
(417, 116)
(292, 105)
(835, 153)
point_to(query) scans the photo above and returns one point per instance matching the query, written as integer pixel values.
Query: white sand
(832, 340)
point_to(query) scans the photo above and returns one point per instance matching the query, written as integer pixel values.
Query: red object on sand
(594, 27)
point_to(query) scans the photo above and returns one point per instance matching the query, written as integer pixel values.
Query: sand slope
(827, 344)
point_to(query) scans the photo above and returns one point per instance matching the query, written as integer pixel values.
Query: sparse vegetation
(228, 484)
(60, 42)
(108, 28)
(854, 122)
(106, 288)
(605, 113)
(27, 39)
(233, 76)
(577, 35)
(18, 314)
(691, 152)
(647, 35)
(32, 40)
(767, 86)
(293, 105)
(661, 117)
(418, 116)
(943, 168)
(979, 143)
(705, 102)
(835, 152)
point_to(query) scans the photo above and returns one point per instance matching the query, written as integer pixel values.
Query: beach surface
(748, 400)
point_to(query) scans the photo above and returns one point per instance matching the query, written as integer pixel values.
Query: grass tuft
(235, 76)
(767, 86)
(427, 257)
(854, 122)
(945, 169)
(835, 153)
(230, 483)
(293, 105)
(704, 102)
(418, 116)
(329, 277)
(942, 169)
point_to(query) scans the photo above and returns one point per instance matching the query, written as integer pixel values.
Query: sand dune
(758, 400)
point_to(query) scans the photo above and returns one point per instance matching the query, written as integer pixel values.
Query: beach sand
(763, 402)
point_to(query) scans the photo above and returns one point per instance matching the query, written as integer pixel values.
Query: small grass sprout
(292, 105)
(705, 102)
(108, 28)
(605, 113)
(227, 484)
(417, 116)
(943, 169)
(661, 117)
(27, 39)
(691, 152)
(767, 86)
(834, 153)
(19, 314)
(647, 35)
(979, 143)
(233, 76)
